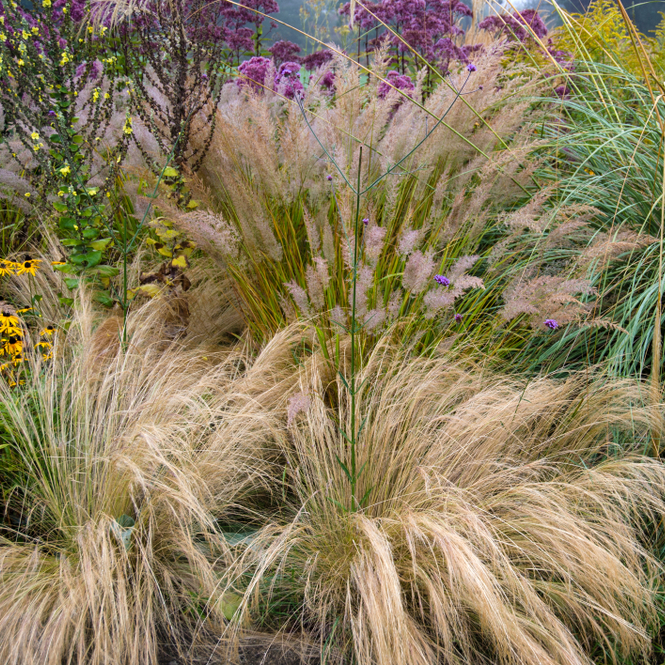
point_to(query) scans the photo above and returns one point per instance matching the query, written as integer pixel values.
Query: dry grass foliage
(262, 150)
(127, 462)
(500, 526)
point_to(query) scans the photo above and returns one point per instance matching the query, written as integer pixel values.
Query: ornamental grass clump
(116, 464)
(506, 521)
(279, 220)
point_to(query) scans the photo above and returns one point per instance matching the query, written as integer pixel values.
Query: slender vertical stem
(657, 339)
(124, 280)
(354, 475)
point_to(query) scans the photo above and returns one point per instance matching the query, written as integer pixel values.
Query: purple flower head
(316, 59)
(458, 318)
(440, 279)
(52, 113)
(562, 91)
(551, 324)
(283, 51)
(518, 26)
(366, 221)
(396, 80)
(471, 67)
(287, 81)
(96, 69)
(253, 72)
(328, 177)
(328, 81)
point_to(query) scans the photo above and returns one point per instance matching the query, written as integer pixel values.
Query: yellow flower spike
(29, 266)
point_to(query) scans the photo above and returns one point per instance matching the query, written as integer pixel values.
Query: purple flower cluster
(287, 81)
(284, 51)
(441, 280)
(517, 26)
(425, 25)
(396, 80)
(253, 72)
(551, 324)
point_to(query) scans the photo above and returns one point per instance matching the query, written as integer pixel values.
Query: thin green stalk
(354, 440)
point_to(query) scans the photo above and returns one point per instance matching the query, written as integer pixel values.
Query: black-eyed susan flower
(24, 310)
(48, 331)
(28, 266)
(14, 346)
(8, 321)
(46, 349)
(7, 267)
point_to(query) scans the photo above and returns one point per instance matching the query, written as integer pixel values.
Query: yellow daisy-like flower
(46, 3)
(48, 331)
(7, 267)
(28, 266)
(46, 349)
(65, 170)
(14, 346)
(34, 136)
(24, 310)
(8, 321)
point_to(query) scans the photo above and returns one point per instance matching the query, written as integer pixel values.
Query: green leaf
(91, 234)
(107, 271)
(67, 223)
(104, 298)
(72, 242)
(78, 139)
(344, 468)
(170, 172)
(71, 282)
(100, 245)
(229, 604)
(93, 258)
(60, 206)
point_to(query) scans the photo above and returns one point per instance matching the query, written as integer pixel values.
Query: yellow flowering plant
(14, 327)
(54, 123)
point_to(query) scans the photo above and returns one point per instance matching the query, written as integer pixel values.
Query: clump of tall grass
(279, 221)
(117, 462)
(505, 522)
(602, 225)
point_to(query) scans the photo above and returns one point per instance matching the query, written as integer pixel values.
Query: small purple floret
(328, 178)
(366, 221)
(458, 317)
(471, 67)
(440, 279)
(551, 324)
